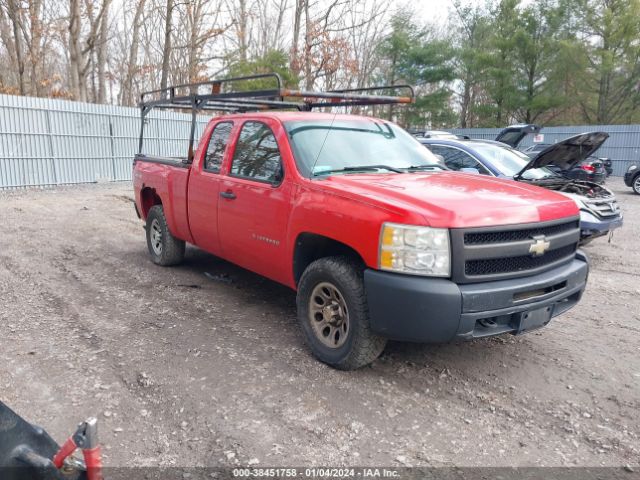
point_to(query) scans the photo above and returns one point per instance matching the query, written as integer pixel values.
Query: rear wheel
(636, 184)
(164, 248)
(333, 314)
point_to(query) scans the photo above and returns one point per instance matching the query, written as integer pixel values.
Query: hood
(514, 134)
(568, 153)
(453, 199)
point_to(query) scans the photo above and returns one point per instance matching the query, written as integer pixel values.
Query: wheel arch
(310, 247)
(634, 179)
(148, 198)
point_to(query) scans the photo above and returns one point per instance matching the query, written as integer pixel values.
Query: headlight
(415, 250)
(632, 168)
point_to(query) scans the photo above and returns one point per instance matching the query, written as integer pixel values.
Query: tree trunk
(309, 81)
(242, 30)
(7, 39)
(101, 56)
(14, 15)
(133, 54)
(35, 48)
(297, 20)
(166, 51)
(74, 48)
(466, 101)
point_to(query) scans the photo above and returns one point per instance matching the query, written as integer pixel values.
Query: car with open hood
(591, 169)
(599, 210)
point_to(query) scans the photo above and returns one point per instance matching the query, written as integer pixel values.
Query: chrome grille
(604, 208)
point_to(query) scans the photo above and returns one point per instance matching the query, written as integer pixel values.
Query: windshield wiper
(357, 168)
(414, 168)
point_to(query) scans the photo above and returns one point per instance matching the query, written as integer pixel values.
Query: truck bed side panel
(169, 183)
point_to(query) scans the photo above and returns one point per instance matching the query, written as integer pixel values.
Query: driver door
(254, 203)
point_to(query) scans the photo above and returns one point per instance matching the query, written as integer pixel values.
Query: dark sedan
(591, 169)
(599, 211)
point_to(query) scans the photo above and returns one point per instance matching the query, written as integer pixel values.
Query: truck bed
(166, 178)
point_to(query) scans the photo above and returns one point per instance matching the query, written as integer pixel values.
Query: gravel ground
(187, 369)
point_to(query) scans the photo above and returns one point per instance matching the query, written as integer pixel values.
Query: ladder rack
(230, 95)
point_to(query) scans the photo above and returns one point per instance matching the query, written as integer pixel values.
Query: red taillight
(588, 168)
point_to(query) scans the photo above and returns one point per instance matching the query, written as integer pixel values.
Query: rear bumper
(432, 310)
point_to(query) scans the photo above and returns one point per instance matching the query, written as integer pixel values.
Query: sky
(432, 11)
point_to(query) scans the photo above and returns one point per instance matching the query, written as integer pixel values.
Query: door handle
(228, 195)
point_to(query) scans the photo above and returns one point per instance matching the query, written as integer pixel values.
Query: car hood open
(513, 134)
(567, 153)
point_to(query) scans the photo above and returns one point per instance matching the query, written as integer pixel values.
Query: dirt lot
(187, 369)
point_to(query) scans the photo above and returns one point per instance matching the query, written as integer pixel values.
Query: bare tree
(34, 45)
(101, 55)
(8, 42)
(166, 50)
(368, 25)
(15, 16)
(132, 60)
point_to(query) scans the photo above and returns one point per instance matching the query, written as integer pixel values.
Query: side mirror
(470, 170)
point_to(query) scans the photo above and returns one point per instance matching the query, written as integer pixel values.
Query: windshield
(509, 161)
(320, 146)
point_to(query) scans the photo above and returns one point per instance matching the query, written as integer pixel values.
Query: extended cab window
(257, 155)
(217, 145)
(457, 159)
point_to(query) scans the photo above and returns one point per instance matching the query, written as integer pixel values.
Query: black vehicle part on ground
(26, 451)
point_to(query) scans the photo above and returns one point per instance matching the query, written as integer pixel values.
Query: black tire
(361, 346)
(635, 184)
(164, 248)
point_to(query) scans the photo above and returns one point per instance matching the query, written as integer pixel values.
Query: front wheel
(333, 314)
(636, 184)
(164, 248)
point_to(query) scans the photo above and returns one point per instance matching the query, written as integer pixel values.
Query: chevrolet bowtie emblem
(539, 246)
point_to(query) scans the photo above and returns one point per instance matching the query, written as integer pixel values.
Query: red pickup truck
(356, 216)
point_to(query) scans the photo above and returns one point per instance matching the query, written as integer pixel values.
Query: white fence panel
(47, 142)
(56, 142)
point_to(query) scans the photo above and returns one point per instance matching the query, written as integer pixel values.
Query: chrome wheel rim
(636, 184)
(156, 237)
(328, 315)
